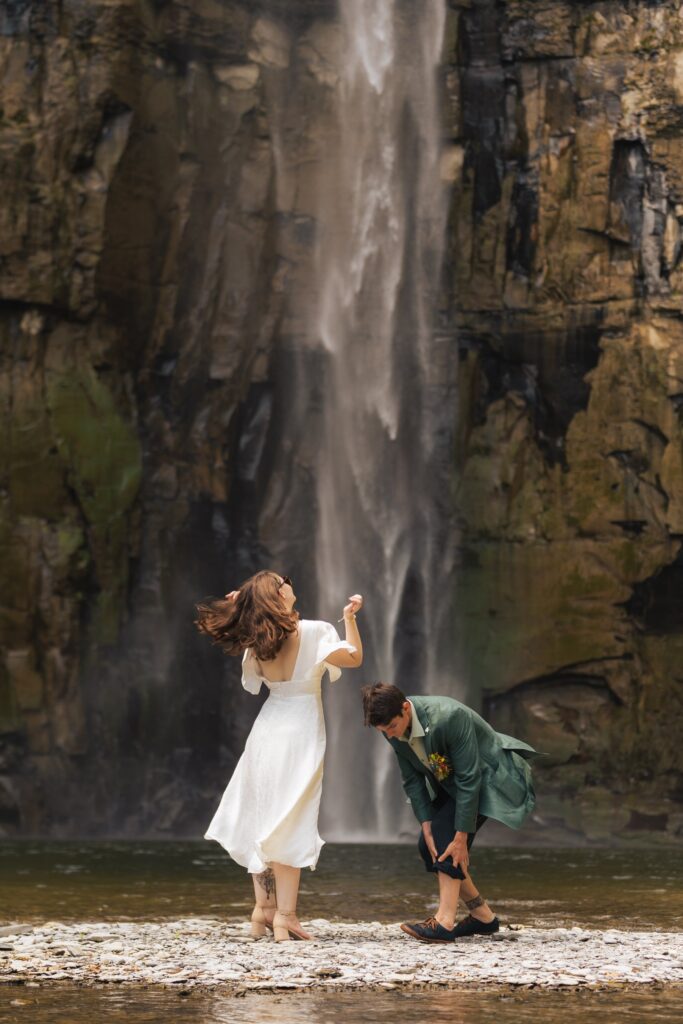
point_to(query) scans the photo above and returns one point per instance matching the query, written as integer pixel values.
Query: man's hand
(457, 849)
(429, 838)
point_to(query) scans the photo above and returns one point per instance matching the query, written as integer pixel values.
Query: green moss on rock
(99, 446)
(102, 453)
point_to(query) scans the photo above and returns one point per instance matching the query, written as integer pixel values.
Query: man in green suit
(457, 772)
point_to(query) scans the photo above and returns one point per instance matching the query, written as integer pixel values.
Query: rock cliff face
(138, 295)
(146, 259)
(567, 220)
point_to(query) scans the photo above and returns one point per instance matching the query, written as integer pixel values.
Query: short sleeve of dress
(251, 680)
(328, 642)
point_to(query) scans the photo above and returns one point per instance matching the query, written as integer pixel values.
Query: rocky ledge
(205, 953)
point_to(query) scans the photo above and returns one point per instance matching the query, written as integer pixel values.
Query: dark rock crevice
(521, 364)
(656, 604)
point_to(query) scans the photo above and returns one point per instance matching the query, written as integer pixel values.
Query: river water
(72, 881)
(69, 1006)
(69, 881)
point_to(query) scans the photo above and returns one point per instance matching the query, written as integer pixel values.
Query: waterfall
(378, 435)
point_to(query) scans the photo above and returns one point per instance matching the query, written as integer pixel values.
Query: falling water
(377, 443)
(378, 262)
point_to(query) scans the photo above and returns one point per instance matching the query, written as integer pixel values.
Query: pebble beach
(207, 953)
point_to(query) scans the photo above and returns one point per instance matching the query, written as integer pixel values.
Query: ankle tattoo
(267, 881)
(478, 901)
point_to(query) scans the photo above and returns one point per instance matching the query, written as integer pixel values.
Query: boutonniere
(440, 766)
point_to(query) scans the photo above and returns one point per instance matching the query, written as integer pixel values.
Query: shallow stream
(70, 881)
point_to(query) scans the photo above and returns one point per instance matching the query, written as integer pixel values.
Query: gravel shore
(206, 953)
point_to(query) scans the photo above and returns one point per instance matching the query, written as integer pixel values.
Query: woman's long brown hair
(257, 618)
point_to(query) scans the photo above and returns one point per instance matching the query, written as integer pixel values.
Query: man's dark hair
(382, 702)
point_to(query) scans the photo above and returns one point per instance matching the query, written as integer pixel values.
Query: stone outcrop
(567, 217)
(147, 252)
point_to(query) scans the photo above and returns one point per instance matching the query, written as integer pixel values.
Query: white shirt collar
(416, 730)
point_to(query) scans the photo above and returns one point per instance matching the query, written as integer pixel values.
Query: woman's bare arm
(350, 659)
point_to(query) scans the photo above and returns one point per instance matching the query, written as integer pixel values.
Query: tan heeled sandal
(286, 926)
(261, 921)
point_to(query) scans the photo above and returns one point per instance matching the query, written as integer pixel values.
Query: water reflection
(132, 881)
(73, 1006)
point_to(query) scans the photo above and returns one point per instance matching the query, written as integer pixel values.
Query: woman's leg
(264, 892)
(264, 889)
(285, 923)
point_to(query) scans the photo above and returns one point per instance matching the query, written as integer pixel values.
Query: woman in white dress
(268, 817)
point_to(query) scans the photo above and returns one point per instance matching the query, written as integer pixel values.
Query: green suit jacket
(488, 773)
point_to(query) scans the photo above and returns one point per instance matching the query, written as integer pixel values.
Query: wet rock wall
(566, 221)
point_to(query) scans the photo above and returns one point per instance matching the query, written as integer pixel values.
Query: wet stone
(16, 929)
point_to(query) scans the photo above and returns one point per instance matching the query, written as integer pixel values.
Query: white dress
(269, 812)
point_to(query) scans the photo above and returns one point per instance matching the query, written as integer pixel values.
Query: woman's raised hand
(353, 656)
(232, 596)
(355, 604)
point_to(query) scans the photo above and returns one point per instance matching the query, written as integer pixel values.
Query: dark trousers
(443, 831)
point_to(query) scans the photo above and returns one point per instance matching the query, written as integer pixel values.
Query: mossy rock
(99, 446)
(18, 572)
(524, 612)
(102, 452)
(35, 469)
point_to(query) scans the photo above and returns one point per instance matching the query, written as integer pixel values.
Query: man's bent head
(385, 707)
